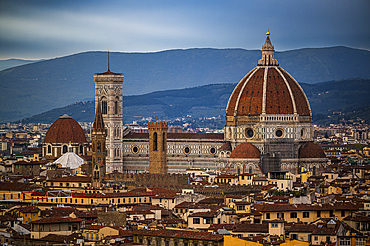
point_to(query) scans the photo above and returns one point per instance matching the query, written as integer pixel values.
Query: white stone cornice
(290, 90)
(242, 89)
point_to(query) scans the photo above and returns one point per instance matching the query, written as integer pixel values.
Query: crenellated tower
(158, 147)
(108, 91)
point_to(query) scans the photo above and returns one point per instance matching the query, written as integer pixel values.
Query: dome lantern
(268, 51)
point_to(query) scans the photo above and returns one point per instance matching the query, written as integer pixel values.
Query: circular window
(279, 133)
(187, 150)
(212, 150)
(249, 132)
(135, 149)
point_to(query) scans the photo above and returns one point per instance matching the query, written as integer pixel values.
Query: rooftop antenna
(108, 61)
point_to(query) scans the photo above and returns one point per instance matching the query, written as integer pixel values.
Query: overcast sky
(46, 29)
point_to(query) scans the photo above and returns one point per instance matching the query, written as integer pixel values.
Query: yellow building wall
(26, 217)
(233, 241)
(295, 243)
(312, 215)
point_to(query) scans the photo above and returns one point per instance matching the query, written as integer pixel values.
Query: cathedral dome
(245, 151)
(311, 150)
(65, 130)
(268, 89)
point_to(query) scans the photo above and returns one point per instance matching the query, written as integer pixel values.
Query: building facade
(268, 127)
(108, 91)
(64, 135)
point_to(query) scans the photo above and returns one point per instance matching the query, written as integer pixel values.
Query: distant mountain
(9, 63)
(38, 87)
(345, 98)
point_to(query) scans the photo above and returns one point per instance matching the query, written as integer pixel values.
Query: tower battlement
(158, 125)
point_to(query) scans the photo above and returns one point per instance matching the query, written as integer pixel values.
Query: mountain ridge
(41, 86)
(211, 100)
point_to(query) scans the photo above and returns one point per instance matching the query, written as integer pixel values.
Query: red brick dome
(311, 150)
(245, 151)
(65, 130)
(268, 89)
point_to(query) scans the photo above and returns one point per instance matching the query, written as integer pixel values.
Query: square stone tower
(108, 90)
(158, 147)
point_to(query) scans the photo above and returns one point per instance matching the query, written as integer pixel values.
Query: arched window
(250, 170)
(49, 149)
(65, 149)
(98, 147)
(155, 141)
(104, 106)
(164, 141)
(115, 107)
(81, 149)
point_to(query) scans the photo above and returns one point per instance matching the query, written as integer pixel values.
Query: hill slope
(34, 88)
(211, 100)
(9, 63)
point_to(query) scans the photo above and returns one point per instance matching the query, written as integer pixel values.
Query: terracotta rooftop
(61, 238)
(29, 209)
(57, 220)
(17, 186)
(226, 146)
(72, 179)
(65, 130)
(303, 207)
(204, 214)
(193, 235)
(247, 227)
(311, 150)
(245, 151)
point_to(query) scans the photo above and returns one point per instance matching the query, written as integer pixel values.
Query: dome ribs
(65, 130)
(250, 101)
(300, 99)
(230, 108)
(278, 100)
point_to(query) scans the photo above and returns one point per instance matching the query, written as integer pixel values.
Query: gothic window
(98, 147)
(116, 106)
(104, 106)
(49, 149)
(155, 141)
(65, 149)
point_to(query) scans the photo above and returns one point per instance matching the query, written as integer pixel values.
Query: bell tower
(98, 136)
(108, 91)
(158, 147)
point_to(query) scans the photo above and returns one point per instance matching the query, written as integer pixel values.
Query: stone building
(63, 135)
(108, 91)
(268, 127)
(98, 152)
(158, 147)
